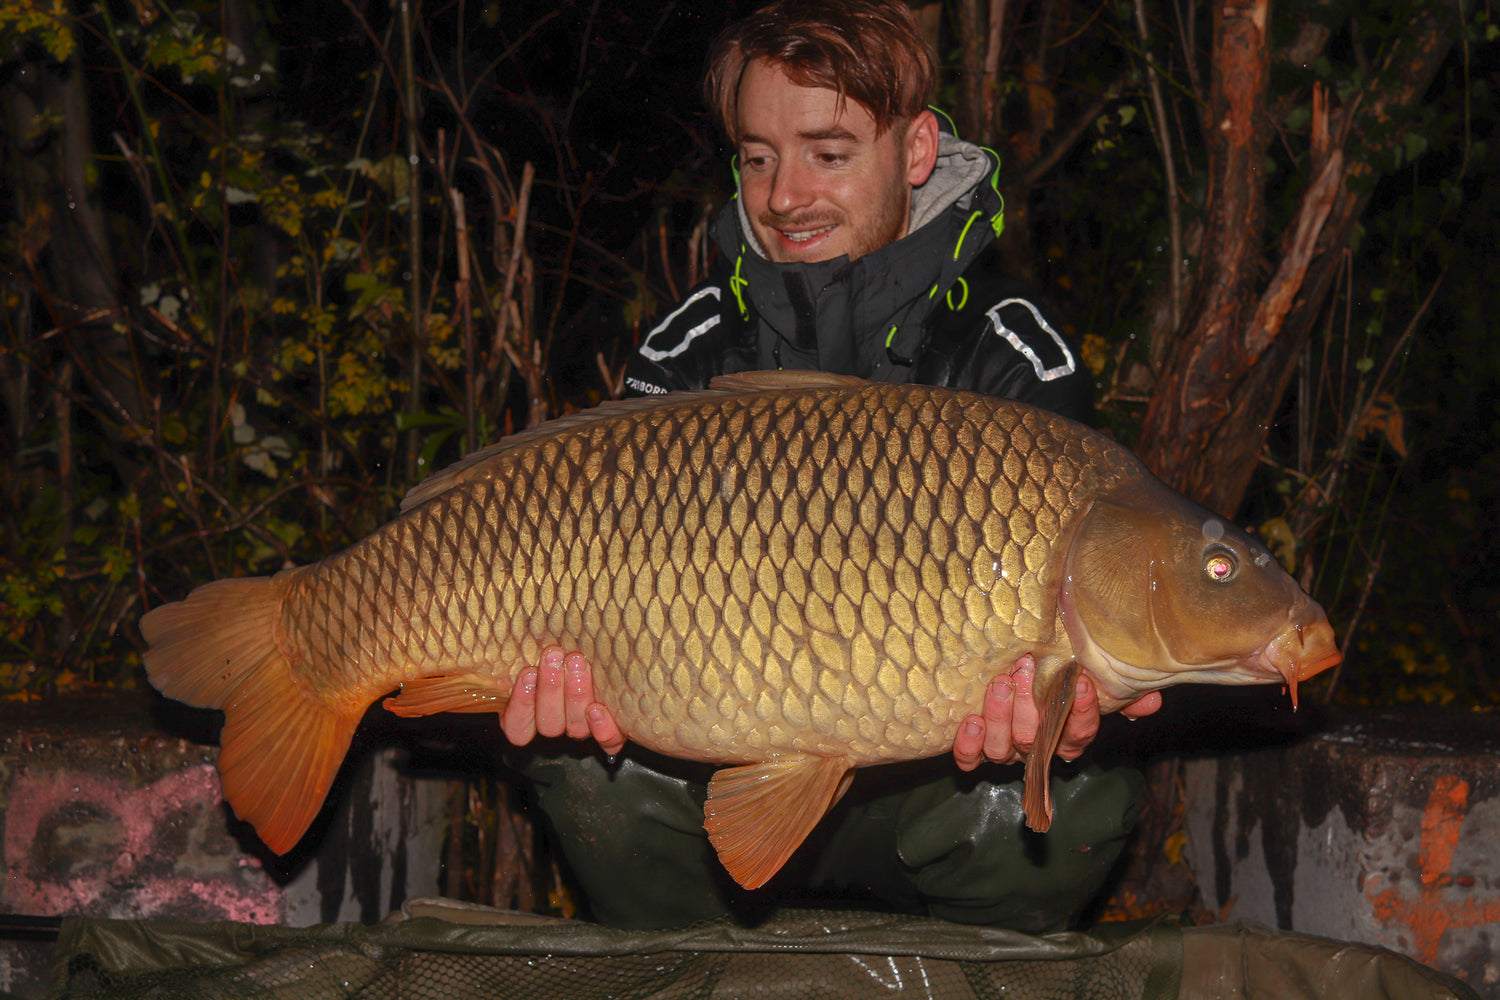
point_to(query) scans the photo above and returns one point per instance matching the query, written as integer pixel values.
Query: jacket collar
(864, 317)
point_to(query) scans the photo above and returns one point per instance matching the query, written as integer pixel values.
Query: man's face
(816, 180)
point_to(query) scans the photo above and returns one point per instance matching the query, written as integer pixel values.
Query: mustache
(773, 221)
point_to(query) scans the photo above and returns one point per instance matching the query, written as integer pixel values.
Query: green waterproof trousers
(920, 837)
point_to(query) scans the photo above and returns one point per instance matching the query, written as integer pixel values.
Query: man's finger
(1023, 716)
(999, 715)
(518, 721)
(1082, 724)
(968, 746)
(604, 730)
(578, 695)
(1143, 706)
(551, 717)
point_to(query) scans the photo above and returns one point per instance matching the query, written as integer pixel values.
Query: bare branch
(1169, 165)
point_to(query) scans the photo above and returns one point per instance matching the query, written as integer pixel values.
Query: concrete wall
(102, 813)
(1381, 829)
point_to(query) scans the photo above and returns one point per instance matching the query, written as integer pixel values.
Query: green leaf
(1413, 144)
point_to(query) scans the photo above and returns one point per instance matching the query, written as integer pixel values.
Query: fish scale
(794, 573)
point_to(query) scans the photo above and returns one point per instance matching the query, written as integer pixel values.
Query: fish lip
(1302, 650)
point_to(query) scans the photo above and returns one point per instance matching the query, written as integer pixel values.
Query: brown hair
(869, 50)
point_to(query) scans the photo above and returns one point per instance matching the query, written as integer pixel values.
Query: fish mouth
(1302, 651)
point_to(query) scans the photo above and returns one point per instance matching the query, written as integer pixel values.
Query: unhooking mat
(434, 950)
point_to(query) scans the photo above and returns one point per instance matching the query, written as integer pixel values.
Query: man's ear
(921, 148)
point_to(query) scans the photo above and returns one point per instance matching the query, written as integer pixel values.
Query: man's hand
(1006, 732)
(557, 697)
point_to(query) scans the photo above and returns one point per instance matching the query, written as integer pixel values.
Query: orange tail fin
(280, 748)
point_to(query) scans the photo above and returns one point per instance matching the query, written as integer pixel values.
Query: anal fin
(449, 693)
(1054, 701)
(758, 814)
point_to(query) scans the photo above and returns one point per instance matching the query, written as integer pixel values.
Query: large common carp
(792, 574)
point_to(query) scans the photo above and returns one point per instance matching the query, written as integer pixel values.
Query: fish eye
(1221, 566)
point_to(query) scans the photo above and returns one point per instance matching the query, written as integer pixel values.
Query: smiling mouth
(805, 235)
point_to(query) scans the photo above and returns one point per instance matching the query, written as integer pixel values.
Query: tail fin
(280, 748)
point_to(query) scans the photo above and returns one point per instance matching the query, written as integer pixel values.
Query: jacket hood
(864, 316)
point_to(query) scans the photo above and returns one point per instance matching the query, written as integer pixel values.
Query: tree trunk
(67, 246)
(1209, 415)
(970, 115)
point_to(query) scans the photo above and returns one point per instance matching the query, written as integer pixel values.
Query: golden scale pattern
(835, 572)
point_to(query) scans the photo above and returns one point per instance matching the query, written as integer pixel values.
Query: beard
(884, 227)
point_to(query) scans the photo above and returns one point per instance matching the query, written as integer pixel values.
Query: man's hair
(870, 51)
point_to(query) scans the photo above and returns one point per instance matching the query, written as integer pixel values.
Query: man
(861, 242)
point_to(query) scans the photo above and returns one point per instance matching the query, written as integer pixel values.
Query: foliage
(308, 324)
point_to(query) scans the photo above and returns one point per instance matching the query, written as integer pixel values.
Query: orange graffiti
(1433, 913)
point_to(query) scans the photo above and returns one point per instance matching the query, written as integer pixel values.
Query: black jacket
(931, 308)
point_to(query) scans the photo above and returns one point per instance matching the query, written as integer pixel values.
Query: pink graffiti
(126, 886)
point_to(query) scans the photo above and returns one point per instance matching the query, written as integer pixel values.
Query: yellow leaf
(1095, 353)
(1383, 416)
(1278, 536)
(1174, 845)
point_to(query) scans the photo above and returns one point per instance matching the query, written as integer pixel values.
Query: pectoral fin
(1054, 700)
(454, 693)
(758, 814)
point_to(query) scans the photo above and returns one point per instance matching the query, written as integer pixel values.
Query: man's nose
(791, 188)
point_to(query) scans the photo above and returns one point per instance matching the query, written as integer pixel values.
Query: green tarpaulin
(435, 949)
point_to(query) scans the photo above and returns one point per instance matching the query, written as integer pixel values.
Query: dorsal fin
(786, 379)
(471, 467)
